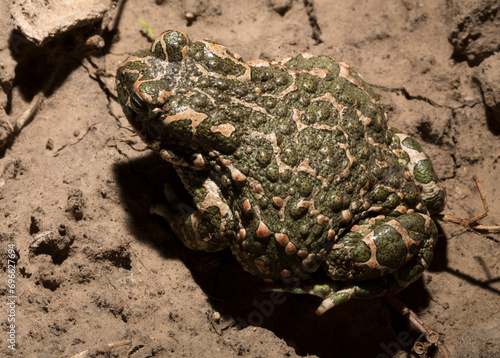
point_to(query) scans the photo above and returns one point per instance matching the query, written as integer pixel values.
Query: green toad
(290, 163)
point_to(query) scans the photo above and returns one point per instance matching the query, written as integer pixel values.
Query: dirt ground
(93, 267)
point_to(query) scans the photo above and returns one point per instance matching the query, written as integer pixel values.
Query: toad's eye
(138, 104)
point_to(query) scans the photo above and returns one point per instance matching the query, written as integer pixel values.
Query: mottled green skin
(290, 163)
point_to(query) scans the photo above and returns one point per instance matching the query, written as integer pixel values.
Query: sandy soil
(75, 187)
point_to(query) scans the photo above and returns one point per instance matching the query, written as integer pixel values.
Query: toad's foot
(335, 293)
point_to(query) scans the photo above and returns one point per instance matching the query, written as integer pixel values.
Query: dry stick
(111, 345)
(431, 336)
(471, 223)
(22, 120)
(494, 160)
(30, 112)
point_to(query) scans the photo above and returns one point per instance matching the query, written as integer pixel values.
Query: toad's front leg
(207, 225)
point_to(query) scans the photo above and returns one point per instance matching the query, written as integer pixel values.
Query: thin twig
(30, 112)
(494, 160)
(111, 345)
(431, 336)
(471, 223)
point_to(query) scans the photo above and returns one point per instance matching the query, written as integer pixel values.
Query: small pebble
(216, 317)
(50, 144)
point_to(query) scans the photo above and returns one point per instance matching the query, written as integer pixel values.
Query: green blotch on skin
(272, 173)
(361, 252)
(199, 194)
(307, 82)
(174, 43)
(411, 194)
(181, 130)
(122, 93)
(324, 62)
(306, 184)
(412, 144)
(213, 63)
(213, 212)
(197, 51)
(264, 155)
(340, 297)
(296, 212)
(424, 172)
(392, 201)
(321, 290)
(152, 89)
(415, 225)
(364, 85)
(380, 194)
(289, 155)
(217, 140)
(391, 249)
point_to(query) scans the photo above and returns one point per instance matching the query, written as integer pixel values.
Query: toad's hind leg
(380, 257)
(209, 226)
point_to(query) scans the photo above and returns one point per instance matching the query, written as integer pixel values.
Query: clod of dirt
(117, 256)
(76, 203)
(47, 275)
(50, 144)
(37, 221)
(50, 282)
(55, 245)
(113, 304)
(281, 6)
(488, 77)
(6, 82)
(13, 170)
(40, 21)
(475, 35)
